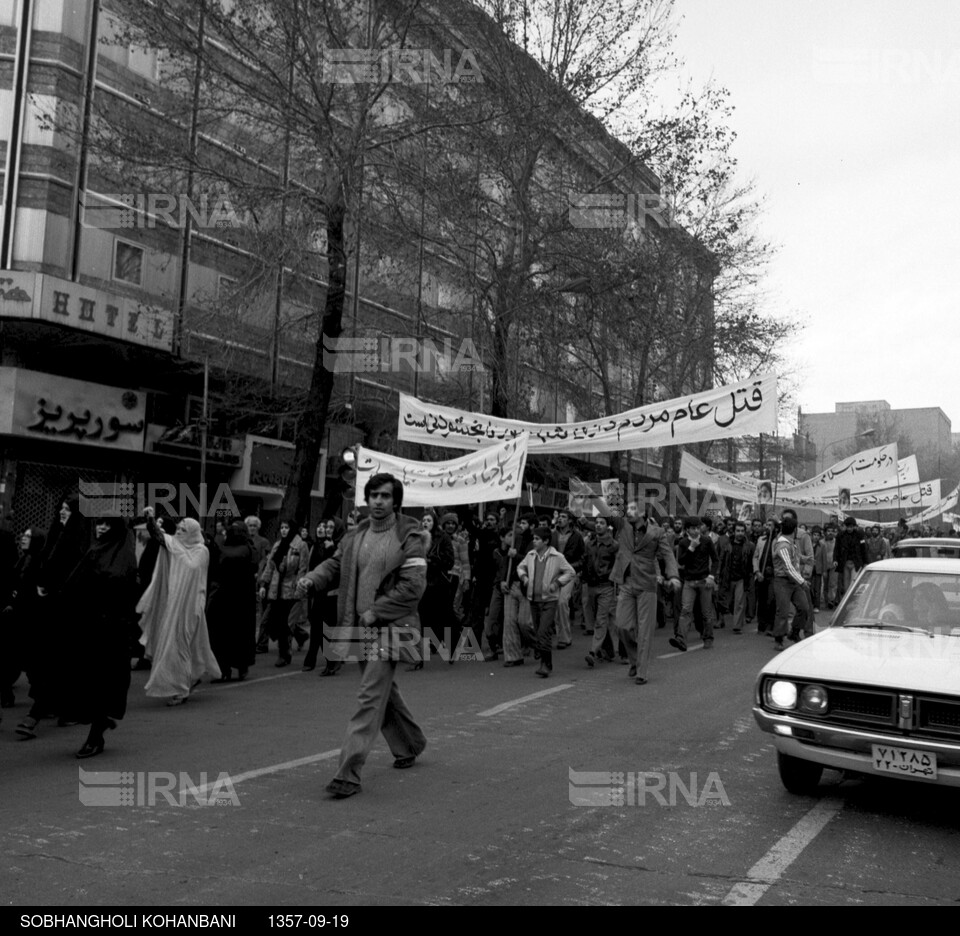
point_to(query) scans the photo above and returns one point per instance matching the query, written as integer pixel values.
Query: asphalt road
(488, 815)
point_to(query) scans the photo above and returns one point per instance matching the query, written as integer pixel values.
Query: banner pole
(516, 517)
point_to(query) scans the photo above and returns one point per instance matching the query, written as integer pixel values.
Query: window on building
(128, 263)
(226, 287)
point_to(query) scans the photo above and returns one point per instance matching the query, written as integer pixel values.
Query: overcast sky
(848, 115)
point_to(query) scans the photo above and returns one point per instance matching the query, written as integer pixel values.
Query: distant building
(828, 436)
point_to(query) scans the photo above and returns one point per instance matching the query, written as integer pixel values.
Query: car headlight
(782, 694)
(814, 699)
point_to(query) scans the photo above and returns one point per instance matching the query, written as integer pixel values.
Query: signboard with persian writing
(72, 305)
(60, 409)
(495, 473)
(746, 408)
(267, 464)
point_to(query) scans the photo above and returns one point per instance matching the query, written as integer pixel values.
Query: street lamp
(866, 434)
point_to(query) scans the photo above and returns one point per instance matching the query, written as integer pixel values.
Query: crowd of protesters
(185, 604)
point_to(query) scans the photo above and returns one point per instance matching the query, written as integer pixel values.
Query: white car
(878, 691)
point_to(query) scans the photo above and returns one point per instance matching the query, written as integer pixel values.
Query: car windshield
(926, 601)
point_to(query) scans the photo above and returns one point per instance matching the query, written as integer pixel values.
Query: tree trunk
(312, 421)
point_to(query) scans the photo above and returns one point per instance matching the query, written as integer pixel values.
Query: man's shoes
(402, 763)
(263, 649)
(591, 659)
(308, 667)
(542, 671)
(283, 661)
(27, 728)
(514, 663)
(413, 667)
(331, 669)
(631, 672)
(489, 656)
(640, 681)
(679, 643)
(176, 700)
(564, 645)
(604, 657)
(66, 723)
(623, 660)
(341, 789)
(708, 644)
(737, 630)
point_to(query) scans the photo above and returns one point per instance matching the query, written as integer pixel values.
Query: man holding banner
(642, 547)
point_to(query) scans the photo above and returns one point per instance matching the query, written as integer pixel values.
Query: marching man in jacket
(544, 572)
(380, 567)
(642, 549)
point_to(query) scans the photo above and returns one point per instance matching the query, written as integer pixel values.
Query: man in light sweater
(380, 567)
(543, 573)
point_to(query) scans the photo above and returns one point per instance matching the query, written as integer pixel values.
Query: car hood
(891, 658)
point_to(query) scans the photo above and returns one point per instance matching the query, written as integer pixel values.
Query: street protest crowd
(186, 604)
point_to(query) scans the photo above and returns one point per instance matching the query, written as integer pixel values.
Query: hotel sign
(62, 302)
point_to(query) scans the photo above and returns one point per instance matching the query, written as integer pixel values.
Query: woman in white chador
(173, 623)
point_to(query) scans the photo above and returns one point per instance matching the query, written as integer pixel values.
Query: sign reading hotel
(59, 409)
(62, 302)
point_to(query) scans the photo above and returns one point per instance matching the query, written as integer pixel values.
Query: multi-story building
(128, 326)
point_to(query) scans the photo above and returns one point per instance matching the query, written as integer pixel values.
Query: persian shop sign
(62, 302)
(44, 406)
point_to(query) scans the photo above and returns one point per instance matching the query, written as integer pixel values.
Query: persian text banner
(746, 408)
(492, 474)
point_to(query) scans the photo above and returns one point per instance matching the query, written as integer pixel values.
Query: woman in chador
(18, 616)
(103, 591)
(285, 565)
(232, 614)
(174, 624)
(67, 542)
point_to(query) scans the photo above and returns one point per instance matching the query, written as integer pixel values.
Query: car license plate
(904, 762)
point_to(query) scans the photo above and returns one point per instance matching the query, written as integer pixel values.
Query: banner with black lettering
(495, 473)
(746, 408)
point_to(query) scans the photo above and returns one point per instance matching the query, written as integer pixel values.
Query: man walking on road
(699, 570)
(380, 568)
(642, 546)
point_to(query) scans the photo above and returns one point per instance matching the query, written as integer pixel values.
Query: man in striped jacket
(789, 585)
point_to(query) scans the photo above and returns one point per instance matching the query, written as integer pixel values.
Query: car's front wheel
(798, 776)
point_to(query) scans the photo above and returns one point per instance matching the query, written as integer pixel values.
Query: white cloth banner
(906, 497)
(495, 473)
(697, 474)
(868, 470)
(933, 512)
(746, 408)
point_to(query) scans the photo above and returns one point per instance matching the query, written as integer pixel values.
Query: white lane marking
(771, 866)
(497, 709)
(666, 656)
(234, 684)
(274, 768)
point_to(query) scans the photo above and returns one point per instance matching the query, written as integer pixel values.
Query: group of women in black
(68, 616)
(66, 623)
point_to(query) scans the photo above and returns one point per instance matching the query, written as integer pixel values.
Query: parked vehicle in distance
(927, 547)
